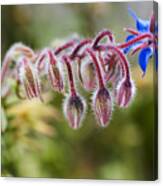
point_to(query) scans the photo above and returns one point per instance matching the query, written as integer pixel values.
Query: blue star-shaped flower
(147, 47)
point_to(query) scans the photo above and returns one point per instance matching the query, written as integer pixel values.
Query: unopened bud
(54, 73)
(55, 77)
(88, 75)
(113, 69)
(125, 92)
(28, 76)
(114, 74)
(102, 106)
(19, 49)
(74, 109)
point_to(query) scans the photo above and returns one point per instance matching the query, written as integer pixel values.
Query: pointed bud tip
(125, 93)
(102, 106)
(74, 109)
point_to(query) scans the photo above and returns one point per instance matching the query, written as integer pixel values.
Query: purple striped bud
(113, 68)
(54, 73)
(88, 75)
(74, 109)
(102, 106)
(55, 77)
(125, 92)
(28, 76)
(114, 74)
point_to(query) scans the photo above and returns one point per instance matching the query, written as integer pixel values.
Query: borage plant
(99, 65)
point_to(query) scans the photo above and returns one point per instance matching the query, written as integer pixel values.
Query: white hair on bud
(133, 92)
(91, 86)
(94, 96)
(65, 104)
(35, 76)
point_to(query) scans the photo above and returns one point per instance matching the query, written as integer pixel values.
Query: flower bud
(28, 76)
(114, 74)
(102, 106)
(54, 73)
(88, 75)
(55, 77)
(113, 69)
(125, 92)
(74, 109)
(19, 49)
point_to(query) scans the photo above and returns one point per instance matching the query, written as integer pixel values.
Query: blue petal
(144, 56)
(129, 37)
(156, 28)
(127, 49)
(141, 25)
(156, 59)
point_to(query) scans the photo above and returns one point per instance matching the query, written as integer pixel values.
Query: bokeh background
(36, 139)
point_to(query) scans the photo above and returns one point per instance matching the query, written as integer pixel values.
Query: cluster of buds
(101, 68)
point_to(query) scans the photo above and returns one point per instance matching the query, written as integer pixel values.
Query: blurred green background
(38, 142)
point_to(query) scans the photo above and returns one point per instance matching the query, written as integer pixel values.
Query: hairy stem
(132, 31)
(51, 57)
(18, 47)
(100, 36)
(79, 46)
(70, 75)
(101, 60)
(64, 47)
(97, 65)
(136, 39)
(123, 60)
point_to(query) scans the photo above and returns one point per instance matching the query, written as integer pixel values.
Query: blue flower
(141, 25)
(144, 57)
(127, 49)
(146, 50)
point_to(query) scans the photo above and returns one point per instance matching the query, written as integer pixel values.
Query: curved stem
(132, 31)
(19, 47)
(97, 65)
(123, 60)
(51, 57)
(101, 60)
(45, 53)
(136, 39)
(40, 61)
(100, 36)
(79, 46)
(143, 45)
(64, 46)
(70, 75)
